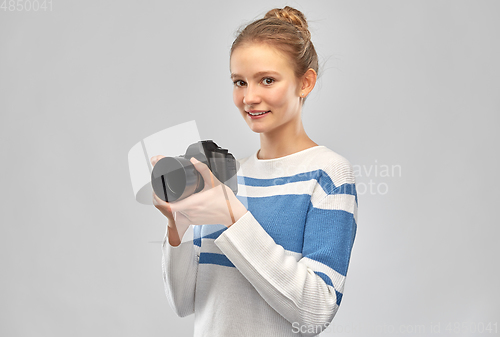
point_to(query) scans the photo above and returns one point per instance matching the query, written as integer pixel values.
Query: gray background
(410, 84)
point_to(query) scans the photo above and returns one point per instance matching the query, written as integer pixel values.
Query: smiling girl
(275, 263)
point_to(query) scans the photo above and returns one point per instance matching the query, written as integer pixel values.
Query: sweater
(280, 269)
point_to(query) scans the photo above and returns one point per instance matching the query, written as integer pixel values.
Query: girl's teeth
(258, 113)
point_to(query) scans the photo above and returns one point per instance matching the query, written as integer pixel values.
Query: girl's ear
(308, 82)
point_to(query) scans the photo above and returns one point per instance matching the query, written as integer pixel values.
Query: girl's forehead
(263, 50)
(254, 56)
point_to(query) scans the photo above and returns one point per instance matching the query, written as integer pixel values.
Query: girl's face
(266, 91)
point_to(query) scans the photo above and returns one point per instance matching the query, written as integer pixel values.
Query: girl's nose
(251, 96)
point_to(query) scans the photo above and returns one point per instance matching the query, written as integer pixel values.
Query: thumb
(205, 172)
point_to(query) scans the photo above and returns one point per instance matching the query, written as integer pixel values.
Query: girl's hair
(287, 30)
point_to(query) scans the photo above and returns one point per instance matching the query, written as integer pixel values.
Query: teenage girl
(276, 260)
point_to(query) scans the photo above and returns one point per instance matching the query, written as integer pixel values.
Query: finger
(187, 204)
(208, 177)
(155, 159)
(167, 205)
(173, 207)
(157, 201)
(161, 202)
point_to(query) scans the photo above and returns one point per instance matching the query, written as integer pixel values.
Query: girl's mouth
(257, 114)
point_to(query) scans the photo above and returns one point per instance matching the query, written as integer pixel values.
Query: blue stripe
(285, 220)
(212, 258)
(214, 235)
(329, 237)
(339, 296)
(199, 230)
(280, 180)
(325, 278)
(282, 217)
(197, 235)
(320, 176)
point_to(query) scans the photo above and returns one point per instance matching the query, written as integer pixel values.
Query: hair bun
(293, 16)
(285, 29)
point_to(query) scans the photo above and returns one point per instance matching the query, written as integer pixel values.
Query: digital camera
(176, 178)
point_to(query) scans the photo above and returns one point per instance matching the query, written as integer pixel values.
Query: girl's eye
(239, 83)
(268, 81)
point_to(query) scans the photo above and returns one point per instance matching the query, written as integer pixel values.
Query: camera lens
(174, 178)
(168, 182)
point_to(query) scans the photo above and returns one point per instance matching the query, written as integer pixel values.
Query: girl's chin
(261, 127)
(258, 129)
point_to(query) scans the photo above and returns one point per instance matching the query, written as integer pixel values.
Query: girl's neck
(283, 142)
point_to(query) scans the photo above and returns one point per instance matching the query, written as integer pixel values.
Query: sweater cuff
(244, 239)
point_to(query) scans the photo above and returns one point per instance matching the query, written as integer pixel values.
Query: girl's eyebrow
(259, 74)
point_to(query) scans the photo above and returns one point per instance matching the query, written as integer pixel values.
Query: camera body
(176, 178)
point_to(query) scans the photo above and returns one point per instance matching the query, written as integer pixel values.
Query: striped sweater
(280, 269)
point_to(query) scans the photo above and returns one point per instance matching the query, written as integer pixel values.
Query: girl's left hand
(208, 206)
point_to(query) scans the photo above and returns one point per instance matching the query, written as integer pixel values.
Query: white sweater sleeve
(180, 266)
(305, 292)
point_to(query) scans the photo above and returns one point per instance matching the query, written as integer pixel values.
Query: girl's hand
(210, 205)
